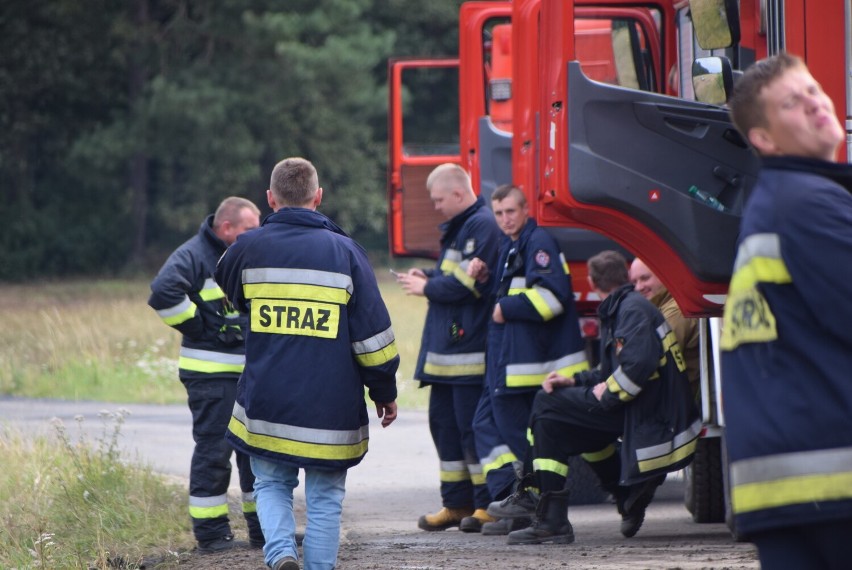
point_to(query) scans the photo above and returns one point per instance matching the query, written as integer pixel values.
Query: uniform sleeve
(373, 341)
(229, 277)
(638, 353)
(816, 247)
(173, 296)
(547, 287)
(452, 284)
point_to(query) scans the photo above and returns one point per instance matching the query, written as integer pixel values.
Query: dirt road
(397, 482)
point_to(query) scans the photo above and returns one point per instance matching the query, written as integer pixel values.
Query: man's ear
(761, 140)
(270, 199)
(318, 197)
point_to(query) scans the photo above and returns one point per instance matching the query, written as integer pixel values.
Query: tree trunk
(138, 164)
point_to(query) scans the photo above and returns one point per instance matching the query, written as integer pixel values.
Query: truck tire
(583, 484)
(704, 489)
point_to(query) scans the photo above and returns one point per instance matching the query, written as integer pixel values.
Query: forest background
(122, 124)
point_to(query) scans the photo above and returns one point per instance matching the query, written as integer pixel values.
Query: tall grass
(99, 340)
(78, 505)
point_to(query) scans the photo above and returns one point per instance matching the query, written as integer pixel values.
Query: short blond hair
(230, 208)
(451, 175)
(294, 182)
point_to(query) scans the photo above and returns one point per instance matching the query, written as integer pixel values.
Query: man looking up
(452, 351)
(787, 350)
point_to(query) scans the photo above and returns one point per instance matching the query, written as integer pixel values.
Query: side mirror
(716, 23)
(712, 79)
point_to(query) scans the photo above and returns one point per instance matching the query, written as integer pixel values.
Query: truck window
(430, 111)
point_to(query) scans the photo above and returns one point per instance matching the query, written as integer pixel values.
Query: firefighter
(639, 393)
(534, 330)
(319, 334)
(187, 298)
(787, 351)
(452, 350)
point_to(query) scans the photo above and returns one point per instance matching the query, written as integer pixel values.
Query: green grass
(73, 503)
(99, 340)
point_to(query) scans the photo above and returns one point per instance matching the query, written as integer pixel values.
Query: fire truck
(610, 115)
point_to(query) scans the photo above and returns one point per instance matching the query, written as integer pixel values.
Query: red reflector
(590, 328)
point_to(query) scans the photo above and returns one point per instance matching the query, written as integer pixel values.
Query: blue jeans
(324, 491)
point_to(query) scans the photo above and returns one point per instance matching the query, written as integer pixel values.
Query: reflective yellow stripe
(565, 267)
(533, 373)
(211, 290)
(791, 478)
(296, 291)
(291, 317)
(464, 364)
(601, 455)
(499, 456)
(298, 448)
(376, 350)
(748, 318)
(180, 313)
(453, 266)
(543, 300)
(208, 507)
(620, 384)
(250, 507)
(208, 361)
(454, 472)
(477, 478)
(551, 466)
(668, 453)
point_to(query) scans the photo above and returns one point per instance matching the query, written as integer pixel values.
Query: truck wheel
(584, 485)
(704, 490)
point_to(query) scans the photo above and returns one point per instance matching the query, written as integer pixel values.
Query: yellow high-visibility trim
(601, 455)
(498, 462)
(206, 366)
(250, 507)
(291, 317)
(208, 512)
(477, 478)
(212, 294)
(669, 459)
(527, 380)
(791, 491)
(551, 466)
(454, 476)
(298, 448)
(317, 293)
(182, 317)
(379, 357)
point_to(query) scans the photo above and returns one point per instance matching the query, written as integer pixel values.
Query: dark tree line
(123, 123)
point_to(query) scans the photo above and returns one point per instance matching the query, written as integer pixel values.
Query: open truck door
(417, 144)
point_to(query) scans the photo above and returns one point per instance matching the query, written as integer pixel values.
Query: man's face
(800, 118)
(645, 282)
(447, 200)
(511, 216)
(246, 221)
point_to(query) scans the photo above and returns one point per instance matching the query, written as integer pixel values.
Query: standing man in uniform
(319, 334)
(786, 342)
(686, 330)
(187, 298)
(534, 330)
(452, 351)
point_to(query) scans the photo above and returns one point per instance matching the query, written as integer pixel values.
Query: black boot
(637, 500)
(550, 523)
(255, 534)
(520, 504)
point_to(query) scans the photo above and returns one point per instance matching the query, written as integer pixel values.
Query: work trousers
(812, 547)
(568, 422)
(211, 401)
(500, 430)
(451, 410)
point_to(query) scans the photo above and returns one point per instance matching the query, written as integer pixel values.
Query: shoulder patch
(469, 246)
(542, 258)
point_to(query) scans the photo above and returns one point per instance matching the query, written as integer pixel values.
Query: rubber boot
(443, 519)
(550, 524)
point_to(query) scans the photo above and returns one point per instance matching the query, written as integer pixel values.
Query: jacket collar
(609, 307)
(302, 217)
(205, 231)
(840, 173)
(451, 226)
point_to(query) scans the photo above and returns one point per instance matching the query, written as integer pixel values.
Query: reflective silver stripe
(550, 299)
(208, 501)
(496, 453)
(454, 466)
(663, 330)
(518, 283)
(786, 465)
(374, 343)
(302, 434)
(176, 310)
(545, 367)
(626, 384)
(679, 440)
(300, 276)
(210, 356)
(455, 359)
(248, 497)
(453, 255)
(757, 245)
(474, 468)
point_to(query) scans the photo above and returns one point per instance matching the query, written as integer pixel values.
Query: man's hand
(478, 269)
(497, 315)
(413, 282)
(386, 411)
(599, 390)
(555, 380)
